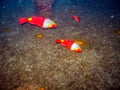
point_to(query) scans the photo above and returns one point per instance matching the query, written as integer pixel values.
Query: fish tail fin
(23, 20)
(58, 40)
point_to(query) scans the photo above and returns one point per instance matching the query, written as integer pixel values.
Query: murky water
(29, 61)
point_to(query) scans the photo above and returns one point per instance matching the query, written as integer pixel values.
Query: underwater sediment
(31, 60)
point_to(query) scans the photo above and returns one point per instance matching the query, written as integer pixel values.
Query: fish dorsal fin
(30, 19)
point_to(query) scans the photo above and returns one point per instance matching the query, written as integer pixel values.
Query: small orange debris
(7, 29)
(80, 42)
(39, 35)
(42, 88)
(84, 44)
(84, 65)
(117, 32)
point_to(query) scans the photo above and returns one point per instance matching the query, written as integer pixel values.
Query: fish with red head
(39, 21)
(70, 44)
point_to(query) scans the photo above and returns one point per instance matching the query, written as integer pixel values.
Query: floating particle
(112, 16)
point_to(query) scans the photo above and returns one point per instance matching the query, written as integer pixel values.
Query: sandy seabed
(30, 63)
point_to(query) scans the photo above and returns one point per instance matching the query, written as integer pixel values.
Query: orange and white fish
(39, 21)
(76, 18)
(70, 44)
